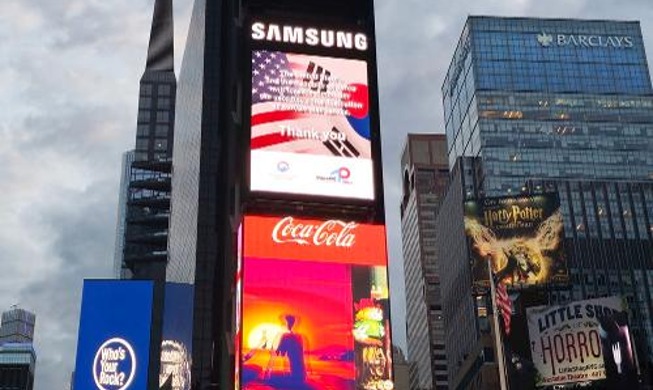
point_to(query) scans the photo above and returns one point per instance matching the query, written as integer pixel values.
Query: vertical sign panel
(522, 237)
(315, 305)
(113, 345)
(176, 346)
(310, 117)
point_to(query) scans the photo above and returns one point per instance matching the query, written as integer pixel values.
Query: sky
(69, 73)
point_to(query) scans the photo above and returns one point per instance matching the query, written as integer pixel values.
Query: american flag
(270, 77)
(504, 305)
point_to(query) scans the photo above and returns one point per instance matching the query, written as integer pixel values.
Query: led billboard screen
(113, 345)
(177, 333)
(522, 238)
(315, 311)
(566, 341)
(310, 126)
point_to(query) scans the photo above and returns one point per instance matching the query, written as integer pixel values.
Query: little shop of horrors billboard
(580, 342)
(522, 238)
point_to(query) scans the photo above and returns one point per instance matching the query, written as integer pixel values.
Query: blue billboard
(177, 333)
(113, 344)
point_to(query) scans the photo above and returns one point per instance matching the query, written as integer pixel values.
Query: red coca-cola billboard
(315, 305)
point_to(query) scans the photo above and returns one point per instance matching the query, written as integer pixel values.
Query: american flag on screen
(284, 89)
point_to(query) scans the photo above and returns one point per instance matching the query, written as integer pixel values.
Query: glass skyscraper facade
(566, 106)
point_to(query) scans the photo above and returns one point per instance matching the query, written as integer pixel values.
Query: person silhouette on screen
(291, 346)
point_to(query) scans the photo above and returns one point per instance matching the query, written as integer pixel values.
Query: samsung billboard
(113, 345)
(315, 305)
(310, 112)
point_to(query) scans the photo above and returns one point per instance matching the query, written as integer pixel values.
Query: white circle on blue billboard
(114, 366)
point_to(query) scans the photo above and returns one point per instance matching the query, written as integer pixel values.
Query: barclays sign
(588, 41)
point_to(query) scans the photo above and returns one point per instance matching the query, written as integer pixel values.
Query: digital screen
(621, 368)
(177, 334)
(315, 305)
(566, 341)
(310, 126)
(113, 345)
(522, 238)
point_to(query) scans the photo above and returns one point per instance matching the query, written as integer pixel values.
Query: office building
(425, 176)
(144, 195)
(120, 271)
(566, 106)
(17, 355)
(17, 326)
(145, 222)
(212, 148)
(401, 369)
(17, 366)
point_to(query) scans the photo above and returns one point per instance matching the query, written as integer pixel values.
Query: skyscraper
(425, 176)
(17, 355)
(17, 326)
(144, 200)
(120, 270)
(212, 190)
(17, 366)
(148, 198)
(566, 106)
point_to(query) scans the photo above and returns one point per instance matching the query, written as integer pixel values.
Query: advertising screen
(566, 341)
(618, 352)
(310, 126)
(177, 333)
(315, 305)
(113, 345)
(522, 238)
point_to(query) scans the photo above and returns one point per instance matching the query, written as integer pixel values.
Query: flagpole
(501, 358)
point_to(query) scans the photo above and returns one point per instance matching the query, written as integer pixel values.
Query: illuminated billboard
(315, 305)
(618, 352)
(310, 125)
(566, 341)
(522, 238)
(177, 333)
(113, 345)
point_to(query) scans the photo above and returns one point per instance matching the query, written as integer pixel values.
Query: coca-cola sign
(328, 233)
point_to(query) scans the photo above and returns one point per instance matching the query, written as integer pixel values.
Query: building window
(162, 116)
(164, 90)
(162, 130)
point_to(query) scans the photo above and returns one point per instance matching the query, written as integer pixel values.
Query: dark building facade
(148, 194)
(17, 366)
(145, 189)
(564, 106)
(209, 181)
(426, 174)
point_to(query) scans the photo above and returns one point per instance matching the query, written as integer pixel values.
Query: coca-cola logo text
(328, 233)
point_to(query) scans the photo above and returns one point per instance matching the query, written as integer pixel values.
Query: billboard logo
(310, 36)
(283, 166)
(114, 365)
(589, 41)
(340, 175)
(545, 39)
(328, 233)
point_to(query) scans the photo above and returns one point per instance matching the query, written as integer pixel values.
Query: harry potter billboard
(522, 238)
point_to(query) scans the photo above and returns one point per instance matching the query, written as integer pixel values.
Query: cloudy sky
(69, 73)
